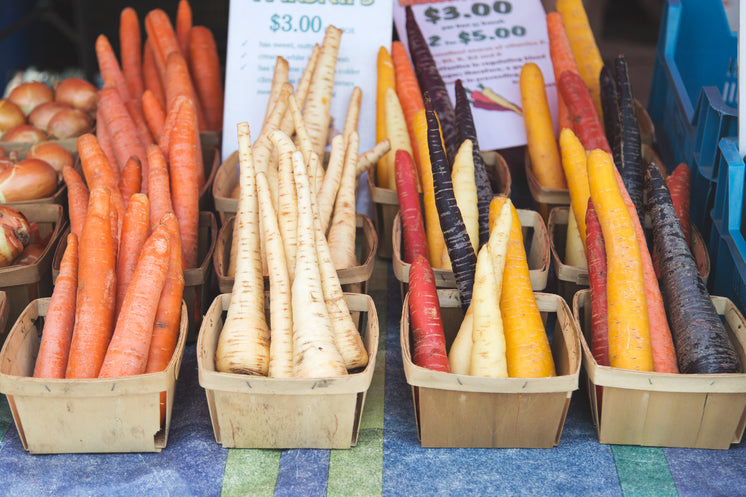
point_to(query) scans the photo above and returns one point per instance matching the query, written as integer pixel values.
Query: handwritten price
(451, 13)
(303, 24)
(478, 35)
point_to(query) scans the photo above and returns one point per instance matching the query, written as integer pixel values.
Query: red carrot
(130, 49)
(679, 183)
(183, 25)
(596, 256)
(77, 199)
(412, 225)
(128, 351)
(429, 343)
(95, 298)
(151, 77)
(184, 189)
(204, 65)
(131, 179)
(586, 123)
(154, 114)
(562, 59)
(158, 186)
(135, 230)
(54, 349)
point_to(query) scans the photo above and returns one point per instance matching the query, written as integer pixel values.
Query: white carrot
(332, 177)
(314, 349)
(316, 110)
(465, 190)
(280, 301)
(342, 228)
(459, 356)
(243, 345)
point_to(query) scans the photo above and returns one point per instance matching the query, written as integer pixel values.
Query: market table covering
(387, 461)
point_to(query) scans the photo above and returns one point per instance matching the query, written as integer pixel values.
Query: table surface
(387, 460)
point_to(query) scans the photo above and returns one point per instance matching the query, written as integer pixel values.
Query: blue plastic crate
(693, 94)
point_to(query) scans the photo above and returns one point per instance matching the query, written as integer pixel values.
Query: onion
(30, 94)
(24, 133)
(53, 153)
(78, 93)
(42, 113)
(5, 163)
(69, 123)
(30, 254)
(14, 234)
(3, 153)
(10, 115)
(29, 179)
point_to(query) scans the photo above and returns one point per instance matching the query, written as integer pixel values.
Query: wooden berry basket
(537, 253)
(569, 279)
(454, 410)
(3, 315)
(704, 411)
(22, 284)
(278, 413)
(354, 279)
(88, 415)
(386, 202)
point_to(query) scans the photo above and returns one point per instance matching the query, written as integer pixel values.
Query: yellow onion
(14, 234)
(30, 94)
(10, 115)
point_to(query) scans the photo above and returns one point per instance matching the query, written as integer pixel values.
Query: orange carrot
(204, 64)
(171, 114)
(159, 190)
(562, 59)
(154, 114)
(407, 89)
(124, 136)
(184, 189)
(135, 110)
(77, 199)
(128, 351)
(51, 361)
(168, 313)
(183, 25)
(95, 298)
(162, 39)
(150, 76)
(109, 67)
(97, 170)
(130, 50)
(135, 230)
(131, 179)
(179, 82)
(104, 140)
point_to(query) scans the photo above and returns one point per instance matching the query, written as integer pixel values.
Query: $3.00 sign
(485, 43)
(261, 30)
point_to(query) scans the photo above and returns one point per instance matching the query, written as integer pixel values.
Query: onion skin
(43, 113)
(29, 179)
(69, 123)
(24, 133)
(77, 93)
(30, 255)
(53, 153)
(10, 115)
(30, 94)
(14, 234)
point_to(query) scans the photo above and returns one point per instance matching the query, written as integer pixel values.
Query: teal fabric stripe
(358, 471)
(6, 418)
(250, 472)
(643, 471)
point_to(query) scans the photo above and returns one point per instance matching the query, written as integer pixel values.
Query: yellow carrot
(574, 248)
(629, 333)
(542, 143)
(386, 79)
(574, 164)
(396, 133)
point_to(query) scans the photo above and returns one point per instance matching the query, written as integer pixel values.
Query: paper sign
(261, 30)
(485, 44)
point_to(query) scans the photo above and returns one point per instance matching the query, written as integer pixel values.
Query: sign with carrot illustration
(485, 44)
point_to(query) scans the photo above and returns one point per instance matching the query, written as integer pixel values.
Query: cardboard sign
(261, 30)
(485, 43)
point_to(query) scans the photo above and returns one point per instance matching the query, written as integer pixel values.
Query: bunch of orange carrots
(296, 223)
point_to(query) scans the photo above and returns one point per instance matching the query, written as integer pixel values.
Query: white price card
(485, 43)
(261, 30)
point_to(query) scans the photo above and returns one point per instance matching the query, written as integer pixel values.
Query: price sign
(485, 44)
(261, 30)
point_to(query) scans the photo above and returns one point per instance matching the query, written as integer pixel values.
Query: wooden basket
(570, 279)
(537, 253)
(224, 183)
(196, 280)
(88, 415)
(354, 279)
(386, 202)
(705, 411)
(3, 314)
(276, 413)
(22, 284)
(210, 161)
(454, 410)
(545, 199)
